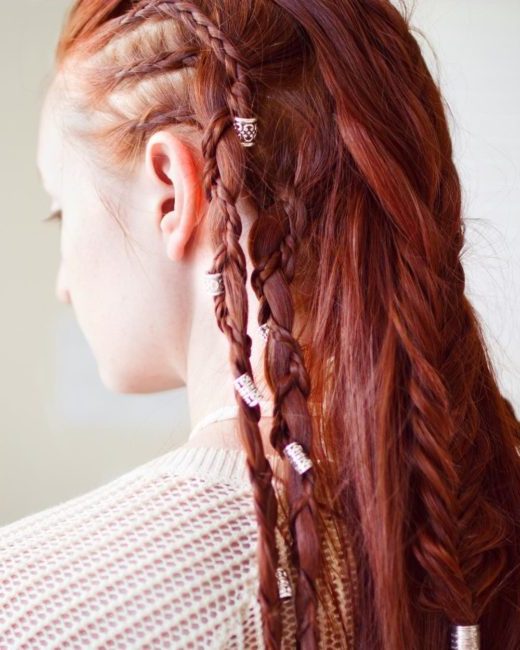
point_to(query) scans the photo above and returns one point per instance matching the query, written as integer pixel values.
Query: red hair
(359, 239)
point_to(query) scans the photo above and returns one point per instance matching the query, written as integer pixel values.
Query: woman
(283, 173)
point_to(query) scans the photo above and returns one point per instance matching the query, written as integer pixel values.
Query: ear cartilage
(246, 129)
(284, 585)
(297, 456)
(247, 389)
(214, 283)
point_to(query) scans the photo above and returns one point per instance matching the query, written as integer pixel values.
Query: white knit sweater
(163, 556)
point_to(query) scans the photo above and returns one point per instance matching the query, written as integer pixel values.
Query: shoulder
(157, 556)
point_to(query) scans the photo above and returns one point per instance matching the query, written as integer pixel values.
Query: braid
(157, 118)
(437, 481)
(230, 261)
(160, 63)
(286, 374)
(423, 468)
(459, 539)
(231, 308)
(197, 22)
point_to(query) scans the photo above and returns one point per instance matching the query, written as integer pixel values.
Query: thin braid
(410, 401)
(232, 316)
(208, 33)
(286, 373)
(158, 64)
(156, 119)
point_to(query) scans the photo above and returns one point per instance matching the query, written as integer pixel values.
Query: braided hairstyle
(222, 186)
(356, 249)
(231, 95)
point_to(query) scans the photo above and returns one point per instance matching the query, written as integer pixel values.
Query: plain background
(62, 432)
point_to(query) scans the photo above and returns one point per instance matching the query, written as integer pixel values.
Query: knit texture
(164, 556)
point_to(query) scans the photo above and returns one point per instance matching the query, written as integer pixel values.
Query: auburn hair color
(359, 237)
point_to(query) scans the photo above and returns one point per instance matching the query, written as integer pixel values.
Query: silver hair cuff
(465, 637)
(246, 129)
(214, 283)
(247, 389)
(299, 459)
(284, 585)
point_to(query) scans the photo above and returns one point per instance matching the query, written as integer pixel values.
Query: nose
(62, 293)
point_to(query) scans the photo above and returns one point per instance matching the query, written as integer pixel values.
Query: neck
(225, 434)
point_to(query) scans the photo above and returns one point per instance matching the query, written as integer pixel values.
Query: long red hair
(359, 236)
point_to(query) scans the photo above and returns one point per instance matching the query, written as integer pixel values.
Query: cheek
(89, 243)
(119, 310)
(78, 266)
(103, 278)
(89, 270)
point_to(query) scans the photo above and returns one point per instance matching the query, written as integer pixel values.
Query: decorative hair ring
(297, 456)
(246, 128)
(247, 389)
(213, 283)
(465, 637)
(284, 584)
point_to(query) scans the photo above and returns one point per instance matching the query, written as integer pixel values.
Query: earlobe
(175, 236)
(176, 190)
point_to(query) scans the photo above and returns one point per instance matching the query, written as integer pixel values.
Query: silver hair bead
(284, 585)
(214, 283)
(246, 129)
(297, 456)
(264, 331)
(465, 637)
(247, 389)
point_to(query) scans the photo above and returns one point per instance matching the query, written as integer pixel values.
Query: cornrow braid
(231, 307)
(156, 119)
(286, 373)
(162, 62)
(194, 18)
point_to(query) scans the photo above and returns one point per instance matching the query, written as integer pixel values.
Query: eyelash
(54, 216)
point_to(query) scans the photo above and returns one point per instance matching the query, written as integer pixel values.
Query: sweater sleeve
(150, 560)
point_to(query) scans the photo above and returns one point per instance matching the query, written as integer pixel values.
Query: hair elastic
(465, 637)
(247, 130)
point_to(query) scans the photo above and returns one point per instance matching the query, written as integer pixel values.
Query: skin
(135, 282)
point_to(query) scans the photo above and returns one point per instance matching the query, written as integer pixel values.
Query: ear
(175, 189)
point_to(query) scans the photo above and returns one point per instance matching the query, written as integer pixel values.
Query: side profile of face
(131, 252)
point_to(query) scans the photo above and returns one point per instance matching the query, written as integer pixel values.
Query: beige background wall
(62, 432)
